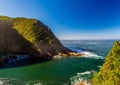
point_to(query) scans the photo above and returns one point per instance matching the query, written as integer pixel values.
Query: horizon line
(88, 39)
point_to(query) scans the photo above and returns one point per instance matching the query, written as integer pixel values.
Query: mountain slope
(110, 72)
(28, 36)
(11, 42)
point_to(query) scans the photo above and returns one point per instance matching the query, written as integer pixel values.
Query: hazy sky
(70, 19)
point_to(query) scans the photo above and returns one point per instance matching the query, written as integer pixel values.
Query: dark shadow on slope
(12, 44)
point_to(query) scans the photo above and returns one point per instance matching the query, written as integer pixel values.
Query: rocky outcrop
(110, 71)
(28, 36)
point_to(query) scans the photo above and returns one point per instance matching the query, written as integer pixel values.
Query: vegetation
(110, 72)
(4, 18)
(32, 31)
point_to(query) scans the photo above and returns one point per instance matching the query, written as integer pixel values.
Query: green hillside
(35, 32)
(110, 72)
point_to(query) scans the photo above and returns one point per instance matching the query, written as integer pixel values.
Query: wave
(5, 81)
(10, 81)
(87, 54)
(92, 55)
(99, 66)
(82, 78)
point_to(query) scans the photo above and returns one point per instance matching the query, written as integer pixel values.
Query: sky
(70, 19)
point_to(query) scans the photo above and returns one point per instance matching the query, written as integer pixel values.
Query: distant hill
(110, 72)
(28, 36)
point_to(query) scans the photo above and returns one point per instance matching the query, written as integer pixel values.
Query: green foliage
(4, 18)
(31, 30)
(110, 72)
(25, 27)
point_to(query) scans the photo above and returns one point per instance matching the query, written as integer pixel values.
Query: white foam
(27, 84)
(6, 81)
(91, 55)
(83, 73)
(88, 54)
(1, 82)
(38, 84)
(79, 79)
(99, 66)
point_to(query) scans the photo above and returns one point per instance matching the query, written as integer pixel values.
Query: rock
(69, 54)
(27, 36)
(3, 60)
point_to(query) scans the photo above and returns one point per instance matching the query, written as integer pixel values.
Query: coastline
(69, 54)
(23, 60)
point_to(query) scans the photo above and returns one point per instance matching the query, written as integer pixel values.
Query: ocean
(64, 71)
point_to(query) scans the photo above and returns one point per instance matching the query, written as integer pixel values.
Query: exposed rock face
(28, 36)
(110, 72)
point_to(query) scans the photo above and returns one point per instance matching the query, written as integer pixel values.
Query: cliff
(28, 36)
(110, 71)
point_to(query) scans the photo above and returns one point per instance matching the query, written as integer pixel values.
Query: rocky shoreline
(69, 54)
(9, 59)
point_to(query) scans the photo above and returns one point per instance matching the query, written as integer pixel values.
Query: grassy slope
(11, 42)
(38, 34)
(110, 72)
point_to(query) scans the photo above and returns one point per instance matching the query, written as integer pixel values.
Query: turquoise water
(60, 71)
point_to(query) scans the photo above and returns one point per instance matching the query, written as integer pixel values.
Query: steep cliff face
(110, 72)
(28, 36)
